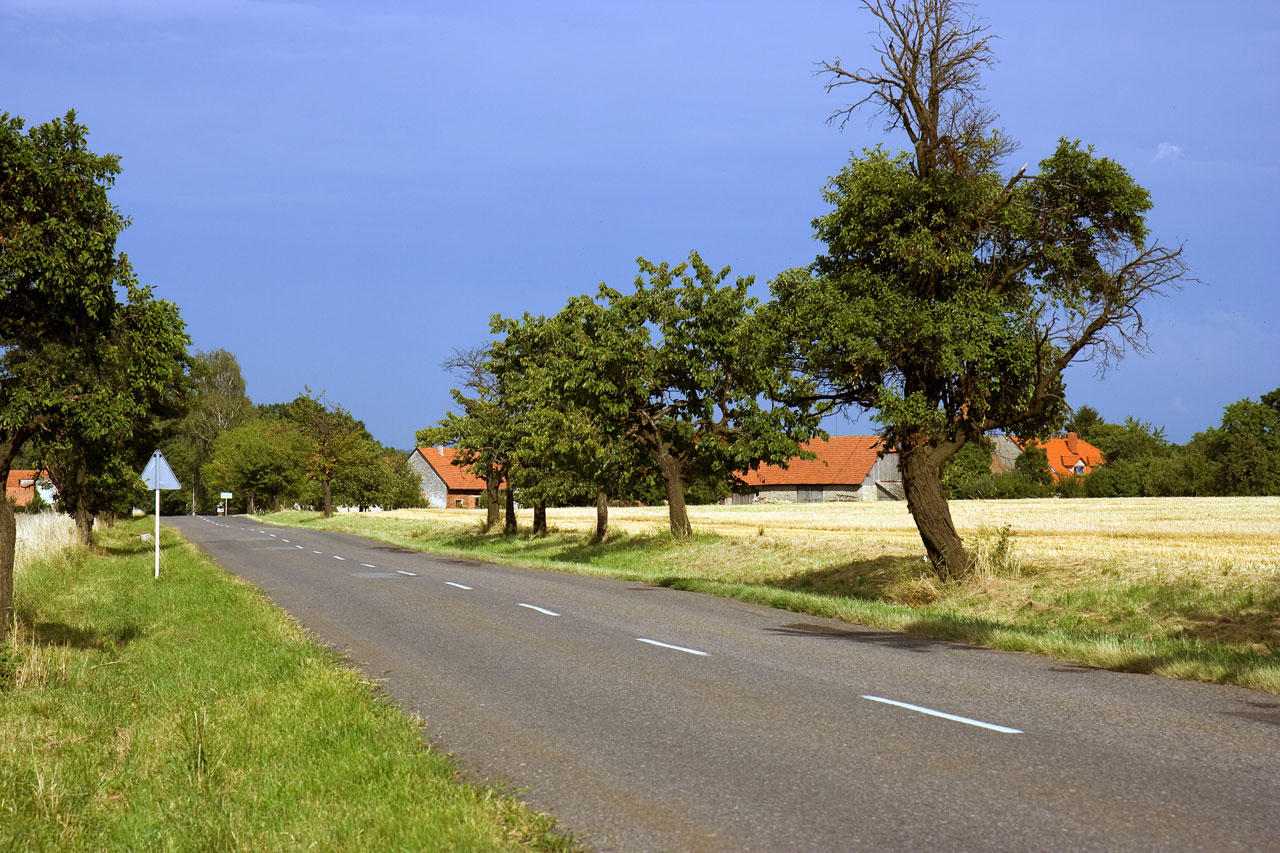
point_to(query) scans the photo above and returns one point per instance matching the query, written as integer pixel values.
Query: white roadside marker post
(158, 475)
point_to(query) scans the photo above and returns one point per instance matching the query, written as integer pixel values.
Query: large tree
(336, 442)
(564, 449)
(953, 294)
(484, 432)
(60, 283)
(677, 366)
(219, 403)
(135, 391)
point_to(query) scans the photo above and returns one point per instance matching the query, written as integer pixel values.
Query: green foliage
(1032, 465)
(78, 366)
(336, 443)
(218, 403)
(261, 462)
(1244, 452)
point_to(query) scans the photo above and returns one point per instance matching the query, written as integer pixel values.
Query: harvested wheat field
(1211, 537)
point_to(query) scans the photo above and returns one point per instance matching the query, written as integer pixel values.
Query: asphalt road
(651, 719)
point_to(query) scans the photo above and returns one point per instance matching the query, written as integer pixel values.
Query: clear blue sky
(340, 193)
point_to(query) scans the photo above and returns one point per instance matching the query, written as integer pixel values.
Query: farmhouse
(22, 486)
(443, 483)
(1067, 456)
(848, 468)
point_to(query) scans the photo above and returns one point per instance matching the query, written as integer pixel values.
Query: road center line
(537, 608)
(317, 552)
(669, 646)
(458, 585)
(953, 717)
(336, 557)
(410, 574)
(369, 565)
(299, 547)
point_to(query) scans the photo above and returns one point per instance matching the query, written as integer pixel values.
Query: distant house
(848, 468)
(1068, 456)
(443, 483)
(22, 486)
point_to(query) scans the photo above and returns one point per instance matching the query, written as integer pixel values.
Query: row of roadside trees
(951, 296)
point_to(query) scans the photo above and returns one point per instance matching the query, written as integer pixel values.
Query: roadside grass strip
(188, 713)
(1185, 588)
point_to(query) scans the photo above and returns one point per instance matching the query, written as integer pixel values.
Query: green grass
(190, 714)
(1175, 626)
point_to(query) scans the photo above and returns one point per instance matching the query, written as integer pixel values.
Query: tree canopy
(953, 294)
(66, 340)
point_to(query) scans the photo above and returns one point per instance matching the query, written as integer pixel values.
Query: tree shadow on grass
(79, 637)
(866, 579)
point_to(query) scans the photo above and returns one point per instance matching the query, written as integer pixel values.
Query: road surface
(646, 718)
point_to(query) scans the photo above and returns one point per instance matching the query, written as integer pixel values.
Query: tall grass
(1188, 588)
(189, 714)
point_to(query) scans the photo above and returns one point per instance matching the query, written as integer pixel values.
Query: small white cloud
(1168, 151)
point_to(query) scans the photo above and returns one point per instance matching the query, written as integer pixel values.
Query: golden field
(1210, 537)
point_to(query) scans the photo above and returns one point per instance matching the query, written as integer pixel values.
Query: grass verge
(190, 714)
(1221, 627)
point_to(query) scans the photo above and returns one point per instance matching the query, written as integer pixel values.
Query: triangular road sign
(158, 475)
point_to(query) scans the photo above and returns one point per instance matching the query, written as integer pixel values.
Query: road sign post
(158, 475)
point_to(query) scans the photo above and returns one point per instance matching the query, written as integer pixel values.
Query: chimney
(1073, 443)
(440, 449)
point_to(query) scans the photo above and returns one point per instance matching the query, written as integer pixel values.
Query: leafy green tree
(563, 448)
(679, 367)
(60, 281)
(219, 403)
(1245, 450)
(137, 389)
(483, 433)
(336, 442)
(952, 295)
(967, 467)
(261, 462)
(1084, 421)
(377, 476)
(1032, 465)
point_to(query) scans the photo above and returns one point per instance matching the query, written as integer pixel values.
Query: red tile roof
(1064, 453)
(21, 486)
(842, 460)
(456, 479)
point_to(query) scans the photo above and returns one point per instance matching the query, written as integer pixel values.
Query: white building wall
(433, 488)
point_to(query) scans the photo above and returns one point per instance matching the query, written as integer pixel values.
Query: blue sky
(341, 193)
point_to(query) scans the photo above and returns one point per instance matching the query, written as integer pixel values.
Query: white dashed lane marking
(669, 646)
(542, 610)
(931, 712)
(458, 585)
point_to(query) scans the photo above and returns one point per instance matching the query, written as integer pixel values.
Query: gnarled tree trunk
(673, 474)
(84, 524)
(509, 526)
(492, 509)
(922, 481)
(8, 544)
(602, 516)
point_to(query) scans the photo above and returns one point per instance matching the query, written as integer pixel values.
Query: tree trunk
(328, 499)
(922, 481)
(8, 544)
(491, 507)
(84, 524)
(602, 515)
(509, 527)
(673, 474)
(540, 519)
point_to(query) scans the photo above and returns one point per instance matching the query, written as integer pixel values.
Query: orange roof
(456, 479)
(842, 460)
(1065, 453)
(21, 486)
